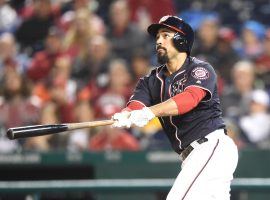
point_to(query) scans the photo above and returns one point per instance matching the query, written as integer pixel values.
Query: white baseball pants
(207, 172)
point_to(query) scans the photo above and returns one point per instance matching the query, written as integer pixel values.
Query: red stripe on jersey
(189, 99)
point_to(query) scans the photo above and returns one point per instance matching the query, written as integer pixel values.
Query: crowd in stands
(71, 61)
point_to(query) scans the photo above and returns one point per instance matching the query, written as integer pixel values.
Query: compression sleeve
(189, 99)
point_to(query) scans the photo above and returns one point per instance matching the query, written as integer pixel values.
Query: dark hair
(24, 90)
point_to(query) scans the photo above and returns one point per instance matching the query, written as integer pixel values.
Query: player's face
(164, 45)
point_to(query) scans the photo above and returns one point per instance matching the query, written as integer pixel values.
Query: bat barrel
(38, 130)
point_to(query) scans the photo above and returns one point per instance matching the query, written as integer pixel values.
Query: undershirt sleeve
(189, 99)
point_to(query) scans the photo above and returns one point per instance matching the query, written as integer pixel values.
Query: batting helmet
(184, 36)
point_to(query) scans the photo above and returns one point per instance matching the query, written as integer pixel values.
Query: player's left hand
(141, 117)
(121, 120)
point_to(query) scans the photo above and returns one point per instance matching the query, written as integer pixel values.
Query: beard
(162, 58)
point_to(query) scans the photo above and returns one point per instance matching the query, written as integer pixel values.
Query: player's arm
(199, 87)
(180, 103)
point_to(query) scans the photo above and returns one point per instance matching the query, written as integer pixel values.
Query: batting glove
(121, 120)
(141, 117)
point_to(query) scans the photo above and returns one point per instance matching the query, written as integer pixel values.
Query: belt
(190, 147)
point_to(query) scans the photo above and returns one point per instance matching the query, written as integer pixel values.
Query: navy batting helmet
(184, 36)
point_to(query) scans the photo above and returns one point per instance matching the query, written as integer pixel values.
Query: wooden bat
(38, 130)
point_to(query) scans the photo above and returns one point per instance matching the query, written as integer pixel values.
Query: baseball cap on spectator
(212, 16)
(193, 17)
(227, 34)
(261, 97)
(257, 28)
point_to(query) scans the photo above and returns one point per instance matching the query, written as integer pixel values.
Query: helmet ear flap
(180, 42)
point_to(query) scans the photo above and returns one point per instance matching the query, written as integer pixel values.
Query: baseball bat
(39, 130)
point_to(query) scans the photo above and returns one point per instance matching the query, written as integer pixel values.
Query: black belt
(189, 148)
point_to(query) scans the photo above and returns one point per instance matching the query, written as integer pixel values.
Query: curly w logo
(178, 86)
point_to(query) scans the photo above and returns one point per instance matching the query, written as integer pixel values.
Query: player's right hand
(121, 120)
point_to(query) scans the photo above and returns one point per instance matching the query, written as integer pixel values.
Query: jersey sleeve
(203, 76)
(188, 99)
(141, 93)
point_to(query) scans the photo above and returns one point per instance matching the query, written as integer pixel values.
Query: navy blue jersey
(200, 121)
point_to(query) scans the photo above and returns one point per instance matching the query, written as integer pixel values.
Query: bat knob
(10, 134)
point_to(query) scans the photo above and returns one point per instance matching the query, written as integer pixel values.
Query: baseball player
(182, 93)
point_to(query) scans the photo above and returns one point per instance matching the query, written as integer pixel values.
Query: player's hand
(141, 117)
(121, 120)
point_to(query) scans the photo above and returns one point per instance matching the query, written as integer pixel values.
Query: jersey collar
(164, 70)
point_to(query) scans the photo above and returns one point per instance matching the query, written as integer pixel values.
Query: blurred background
(64, 61)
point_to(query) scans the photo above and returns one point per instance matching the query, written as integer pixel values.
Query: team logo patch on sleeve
(200, 73)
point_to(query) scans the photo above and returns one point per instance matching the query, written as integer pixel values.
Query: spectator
(263, 62)
(100, 56)
(16, 101)
(17, 5)
(9, 54)
(144, 12)
(108, 138)
(63, 89)
(6, 145)
(79, 33)
(118, 88)
(79, 4)
(256, 125)
(211, 46)
(208, 34)
(226, 55)
(112, 99)
(78, 139)
(17, 106)
(251, 40)
(43, 61)
(124, 35)
(70, 8)
(33, 30)
(8, 17)
(234, 99)
(59, 89)
(140, 65)
(95, 65)
(48, 116)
